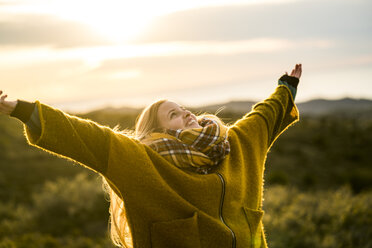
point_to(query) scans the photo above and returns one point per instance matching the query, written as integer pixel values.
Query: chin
(195, 125)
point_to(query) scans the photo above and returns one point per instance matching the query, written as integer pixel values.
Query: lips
(190, 122)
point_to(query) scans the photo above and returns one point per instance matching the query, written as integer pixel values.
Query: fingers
(297, 71)
(2, 101)
(3, 98)
(5, 106)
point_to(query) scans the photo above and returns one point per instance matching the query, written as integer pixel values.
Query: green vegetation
(325, 218)
(318, 190)
(322, 153)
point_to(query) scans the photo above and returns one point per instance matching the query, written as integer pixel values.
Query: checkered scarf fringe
(196, 149)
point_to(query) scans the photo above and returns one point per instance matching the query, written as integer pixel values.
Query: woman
(181, 181)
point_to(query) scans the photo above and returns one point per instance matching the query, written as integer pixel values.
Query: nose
(186, 113)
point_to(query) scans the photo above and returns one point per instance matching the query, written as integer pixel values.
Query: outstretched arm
(50, 129)
(269, 118)
(24, 111)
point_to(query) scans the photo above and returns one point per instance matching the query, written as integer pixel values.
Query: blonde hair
(148, 121)
(120, 232)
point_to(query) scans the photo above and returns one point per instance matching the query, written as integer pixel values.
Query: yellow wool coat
(169, 207)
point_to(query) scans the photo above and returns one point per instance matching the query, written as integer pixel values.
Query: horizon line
(72, 106)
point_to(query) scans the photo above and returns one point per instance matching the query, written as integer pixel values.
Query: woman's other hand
(6, 107)
(297, 71)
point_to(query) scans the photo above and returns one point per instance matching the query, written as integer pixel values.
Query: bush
(71, 206)
(38, 240)
(318, 219)
(65, 213)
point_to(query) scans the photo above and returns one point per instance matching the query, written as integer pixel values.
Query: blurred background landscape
(92, 57)
(318, 182)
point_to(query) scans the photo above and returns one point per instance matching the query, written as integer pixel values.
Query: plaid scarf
(196, 149)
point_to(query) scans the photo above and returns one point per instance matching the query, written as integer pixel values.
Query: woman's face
(173, 116)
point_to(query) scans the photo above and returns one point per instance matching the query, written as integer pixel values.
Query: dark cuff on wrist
(23, 110)
(293, 81)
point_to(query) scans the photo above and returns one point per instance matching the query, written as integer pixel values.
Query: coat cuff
(292, 81)
(290, 87)
(23, 110)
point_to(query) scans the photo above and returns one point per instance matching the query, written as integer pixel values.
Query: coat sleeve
(80, 140)
(269, 118)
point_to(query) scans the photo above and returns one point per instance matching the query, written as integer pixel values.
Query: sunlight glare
(117, 20)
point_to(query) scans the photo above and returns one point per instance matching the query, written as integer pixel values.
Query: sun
(116, 20)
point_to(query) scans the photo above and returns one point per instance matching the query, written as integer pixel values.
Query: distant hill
(313, 107)
(348, 106)
(112, 110)
(322, 106)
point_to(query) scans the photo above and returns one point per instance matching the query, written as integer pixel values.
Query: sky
(79, 55)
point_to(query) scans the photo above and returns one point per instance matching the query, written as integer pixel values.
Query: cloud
(192, 48)
(223, 52)
(45, 30)
(302, 19)
(7, 3)
(94, 56)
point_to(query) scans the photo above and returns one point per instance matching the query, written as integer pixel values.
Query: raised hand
(297, 71)
(6, 107)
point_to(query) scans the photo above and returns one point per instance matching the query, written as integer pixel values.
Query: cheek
(161, 123)
(168, 124)
(177, 123)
